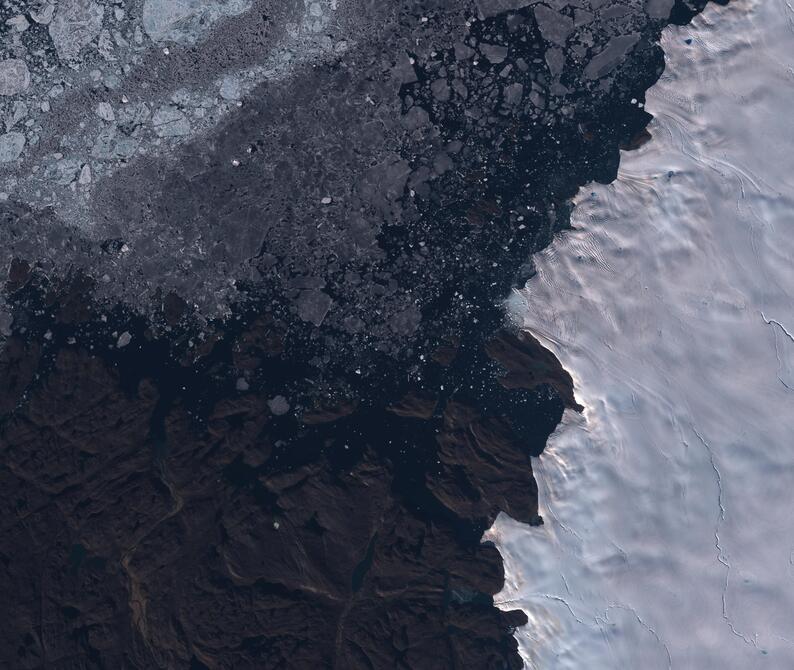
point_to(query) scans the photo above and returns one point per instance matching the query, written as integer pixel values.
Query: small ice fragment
(85, 174)
(278, 405)
(44, 15)
(75, 25)
(14, 76)
(124, 339)
(11, 146)
(231, 88)
(105, 111)
(18, 22)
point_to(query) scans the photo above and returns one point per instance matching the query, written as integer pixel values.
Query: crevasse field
(669, 505)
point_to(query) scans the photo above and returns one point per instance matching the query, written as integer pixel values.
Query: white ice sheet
(669, 506)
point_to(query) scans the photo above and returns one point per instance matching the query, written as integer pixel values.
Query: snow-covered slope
(669, 506)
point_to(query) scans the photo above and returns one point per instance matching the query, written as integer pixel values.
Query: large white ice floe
(669, 534)
(185, 21)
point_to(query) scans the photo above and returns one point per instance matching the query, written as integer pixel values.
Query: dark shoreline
(159, 514)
